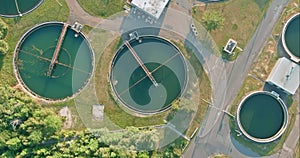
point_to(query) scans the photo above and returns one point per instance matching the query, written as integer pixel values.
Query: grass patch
(263, 66)
(86, 29)
(230, 57)
(48, 11)
(239, 27)
(102, 8)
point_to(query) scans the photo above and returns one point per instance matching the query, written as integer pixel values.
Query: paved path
(213, 65)
(78, 14)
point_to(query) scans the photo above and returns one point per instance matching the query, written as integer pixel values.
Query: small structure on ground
(230, 46)
(98, 111)
(285, 76)
(151, 7)
(126, 8)
(134, 35)
(194, 29)
(77, 26)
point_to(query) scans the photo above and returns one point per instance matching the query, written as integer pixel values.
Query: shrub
(3, 47)
(3, 29)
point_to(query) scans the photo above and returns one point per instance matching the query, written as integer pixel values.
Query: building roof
(152, 7)
(285, 75)
(230, 45)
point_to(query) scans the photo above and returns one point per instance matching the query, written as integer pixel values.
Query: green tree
(3, 29)
(36, 137)
(52, 124)
(4, 136)
(105, 152)
(143, 154)
(147, 139)
(212, 20)
(37, 133)
(25, 125)
(14, 144)
(113, 155)
(3, 47)
(43, 152)
(93, 145)
(25, 152)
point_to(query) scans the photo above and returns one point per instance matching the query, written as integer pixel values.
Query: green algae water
(134, 88)
(261, 115)
(9, 8)
(292, 36)
(71, 71)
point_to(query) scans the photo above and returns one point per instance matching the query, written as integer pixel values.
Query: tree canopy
(212, 20)
(3, 44)
(3, 29)
(23, 122)
(30, 130)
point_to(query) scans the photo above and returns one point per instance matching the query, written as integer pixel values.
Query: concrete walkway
(213, 65)
(78, 14)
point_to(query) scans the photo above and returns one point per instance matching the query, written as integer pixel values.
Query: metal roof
(230, 45)
(285, 75)
(152, 7)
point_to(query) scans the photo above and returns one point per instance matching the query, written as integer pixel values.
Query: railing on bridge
(57, 49)
(141, 63)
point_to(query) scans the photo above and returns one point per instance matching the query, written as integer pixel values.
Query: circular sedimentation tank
(291, 37)
(71, 69)
(13, 8)
(262, 117)
(131, 84)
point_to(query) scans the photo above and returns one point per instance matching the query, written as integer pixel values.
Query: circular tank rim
(16, 15)
(129, 107)
(280, 131)
(293, 57)
(27, 89)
